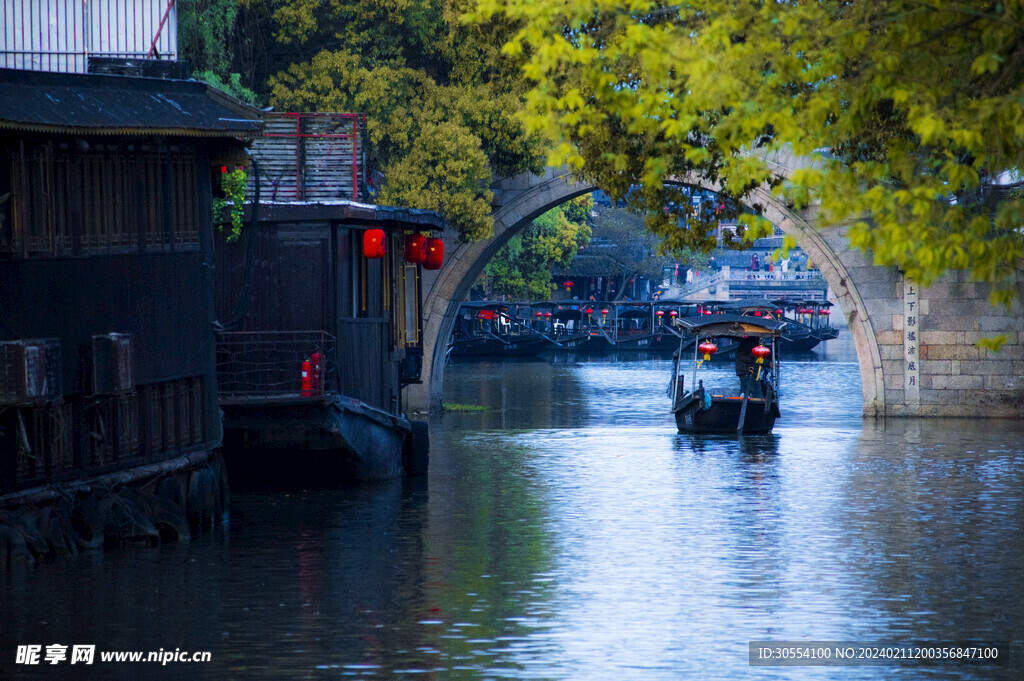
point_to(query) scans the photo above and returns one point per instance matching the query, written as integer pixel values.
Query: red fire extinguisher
(307, 378)
(317, 383)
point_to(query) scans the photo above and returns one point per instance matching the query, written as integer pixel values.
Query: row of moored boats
(507, 329)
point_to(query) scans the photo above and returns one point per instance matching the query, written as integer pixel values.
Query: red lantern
(604, 312)
(757, 313)
(672, 313)
(435, 254)
(659, 313)
(826, 312)
(762, 353)
(415, 248)
(778, 313)
(547, 315)
(373, 243)
(707, 348)
(589, 310)
(567, 284)
(537, 314)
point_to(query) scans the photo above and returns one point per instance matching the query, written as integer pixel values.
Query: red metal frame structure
(316, 159)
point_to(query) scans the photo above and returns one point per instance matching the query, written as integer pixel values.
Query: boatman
(745, 364)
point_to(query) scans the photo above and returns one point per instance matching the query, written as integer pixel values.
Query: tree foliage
(623, 247)
(206, 37)
(205, 29)
(909, 109)
(522, 268)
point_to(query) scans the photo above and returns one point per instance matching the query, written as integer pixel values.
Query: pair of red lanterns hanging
(708, 348)
(418, 248)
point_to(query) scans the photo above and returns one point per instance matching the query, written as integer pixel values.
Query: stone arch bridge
(917, 348)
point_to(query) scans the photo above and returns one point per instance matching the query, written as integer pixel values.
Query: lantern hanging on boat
(707, 348)
(673, 313)
(778, 313)
(435, 254)
(826, 312)
(415, 248)
(761, 352)
(659, 314)
(604, 313)
(373, 244)
(567, 285)
(547, 315)
(537, 314)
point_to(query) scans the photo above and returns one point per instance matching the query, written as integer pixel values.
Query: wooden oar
(743, 411)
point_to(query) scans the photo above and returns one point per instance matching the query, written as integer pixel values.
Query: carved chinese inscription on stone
(911, 349)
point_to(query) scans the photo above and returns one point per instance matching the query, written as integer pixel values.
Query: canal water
(569, 532)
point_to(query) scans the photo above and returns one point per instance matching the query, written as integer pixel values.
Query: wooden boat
(563, 324)
(494, 330)
(666, 333)
(702, 409)
(632, 326)
(312, 393)
(808, 321)
(797, 337)
(600, 332)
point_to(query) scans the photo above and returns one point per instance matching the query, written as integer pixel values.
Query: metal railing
(61, 35)
(263, 364)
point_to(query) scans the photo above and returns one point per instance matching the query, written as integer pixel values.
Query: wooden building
(106, 340)
(300, 293)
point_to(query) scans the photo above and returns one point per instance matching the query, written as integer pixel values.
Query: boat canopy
(568, 303)
(746, 305)
(731, 326)
(485, 304)
(634, 313)
(790, 303)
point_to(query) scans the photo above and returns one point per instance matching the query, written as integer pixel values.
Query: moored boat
(488, 329)
(633, 326)
(809, 322)
(564, 324)
(666, 333)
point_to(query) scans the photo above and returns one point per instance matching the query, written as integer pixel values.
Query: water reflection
(569, 532)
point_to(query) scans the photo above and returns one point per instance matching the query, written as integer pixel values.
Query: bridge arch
(520, 199)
